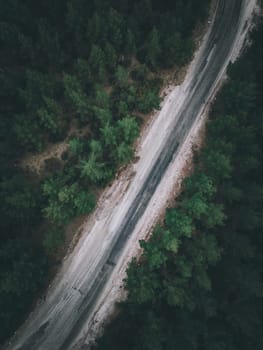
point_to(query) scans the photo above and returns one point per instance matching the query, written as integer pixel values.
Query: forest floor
(36, 162)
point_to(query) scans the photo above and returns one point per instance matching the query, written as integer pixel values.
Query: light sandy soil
(35, 162)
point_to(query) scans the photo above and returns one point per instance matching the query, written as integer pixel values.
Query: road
(76, 290)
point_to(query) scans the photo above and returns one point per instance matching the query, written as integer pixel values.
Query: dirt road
(79, 292)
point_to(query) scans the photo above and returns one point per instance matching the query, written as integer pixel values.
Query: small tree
(76, 146)
(94, 168)
(75, 95)
(123, 153)
(121, 77)
(97, 62)
(152, 48)
(53, 239)
(84, 202)
(128, 129)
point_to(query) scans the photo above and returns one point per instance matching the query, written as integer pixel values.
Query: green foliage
(115, 28)
(97, 62)
(37, 85)
(22, 271)
(53, 240)
(27, 133)
(84, 202)
(81, 68)
(198, 283)
(152, 49)
(65, 200)
(140, 73)
(123, 153)
(177, 50)
(179, 223)
(148, 101)
(49, 114)
(20, 205)
(76, 96)
(76, 146)
(93, 168)
(110, 56)
(71, 44)
(121, 77)
(129, 44)
(128, 129)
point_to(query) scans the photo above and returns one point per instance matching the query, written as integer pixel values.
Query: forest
(67, 66)
(199, 282)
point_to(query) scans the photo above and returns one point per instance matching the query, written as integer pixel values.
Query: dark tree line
(199, 282)
(63, 65)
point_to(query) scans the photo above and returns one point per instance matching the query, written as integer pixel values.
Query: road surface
(57, 322)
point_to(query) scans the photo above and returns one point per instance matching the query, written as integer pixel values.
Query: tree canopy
(81, 75)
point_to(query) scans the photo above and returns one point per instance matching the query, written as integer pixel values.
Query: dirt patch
(36, 162)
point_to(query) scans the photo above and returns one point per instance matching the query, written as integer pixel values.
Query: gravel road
(75, 294)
